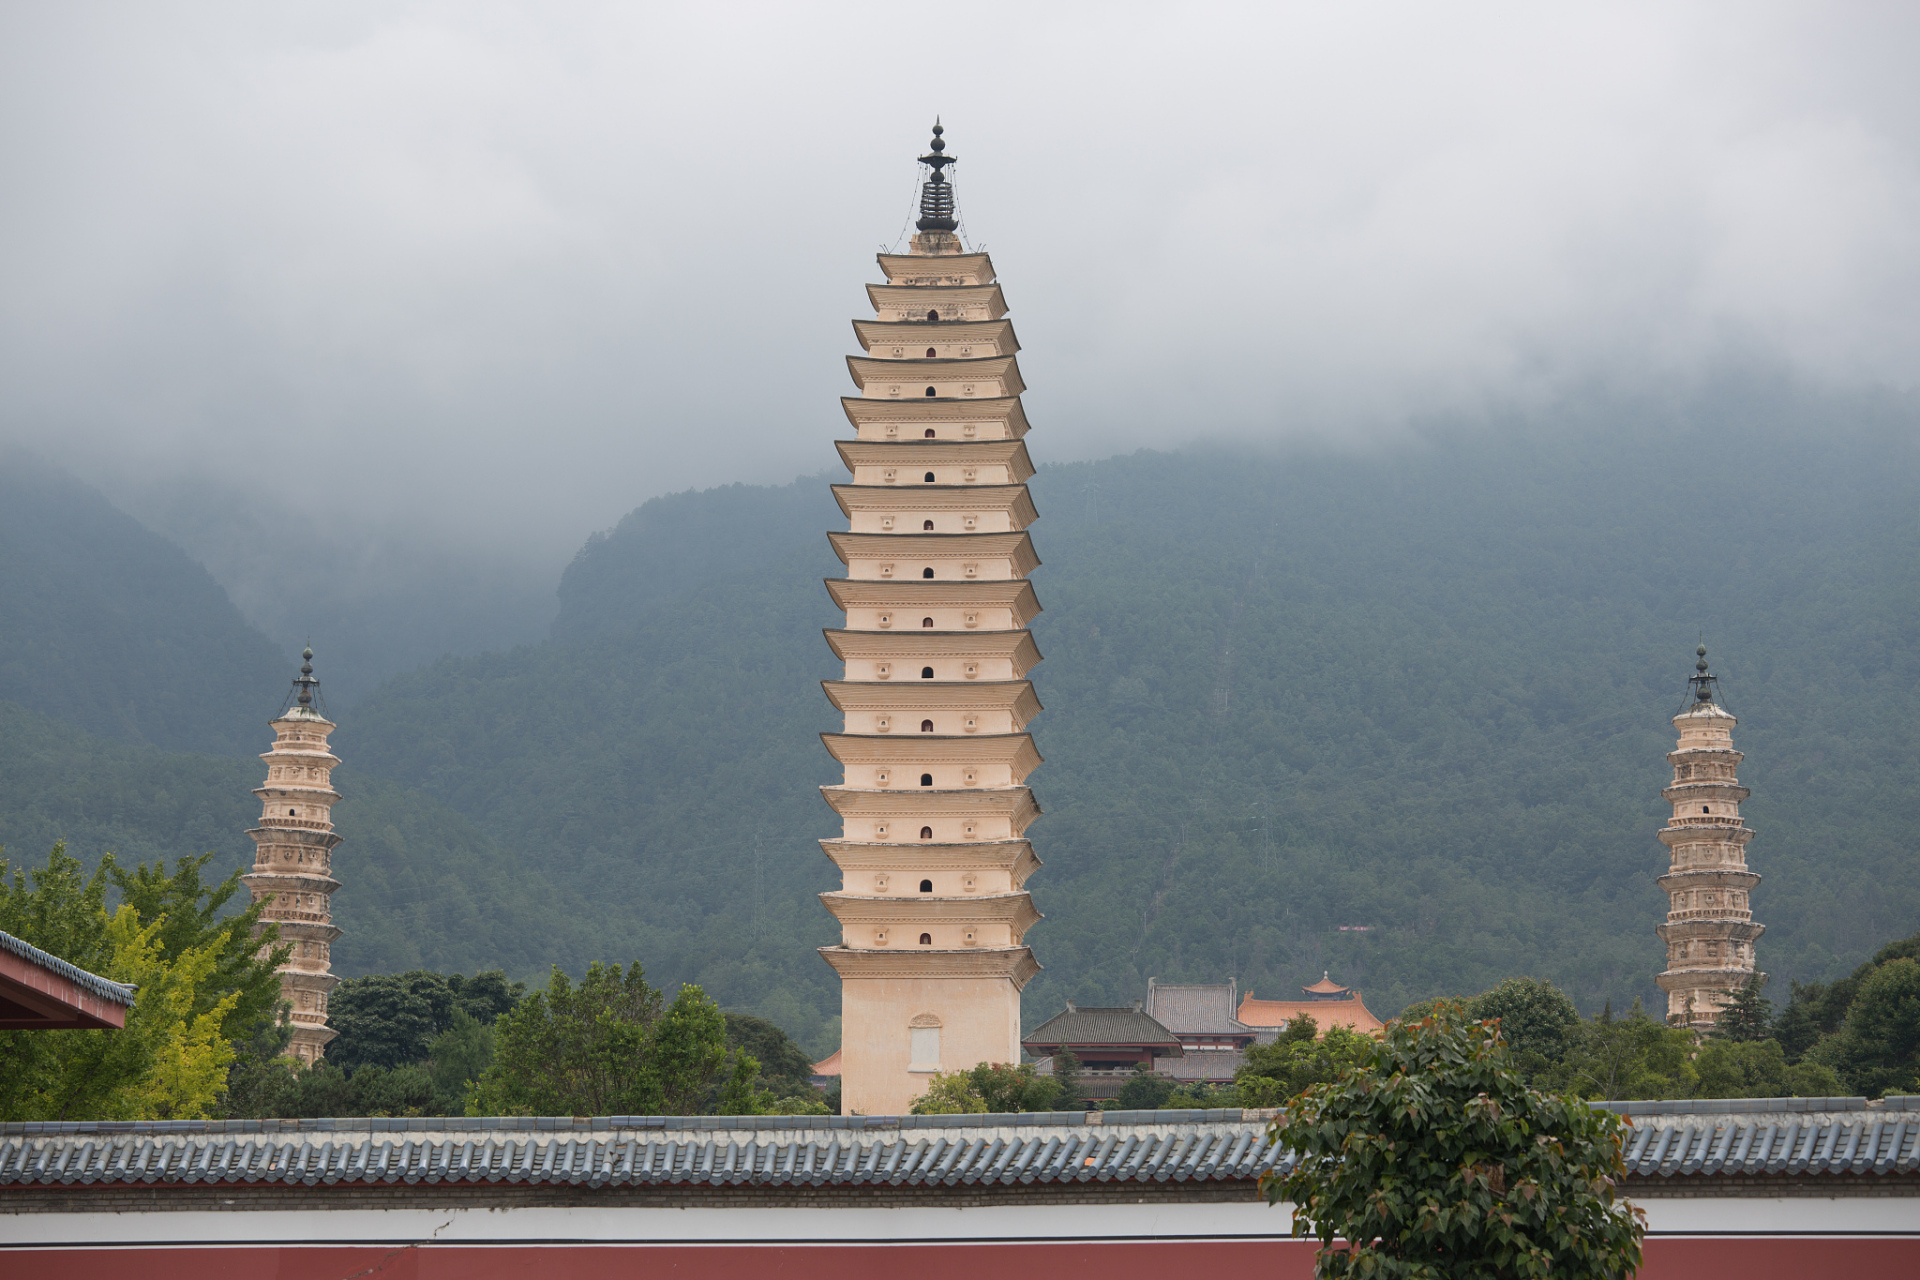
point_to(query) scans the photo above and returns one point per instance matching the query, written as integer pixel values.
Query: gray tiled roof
(1196, 1010)
(1140, 1146)
(1738, 1137)
(105, 988)
(1202, 1064)
(1121, 1026)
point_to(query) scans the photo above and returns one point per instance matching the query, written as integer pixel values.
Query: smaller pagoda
(293, 862)
(1709, 930)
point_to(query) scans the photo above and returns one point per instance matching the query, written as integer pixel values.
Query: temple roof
(1196, 1010)
(40, 991)
(1124, 1027)
(1352, 1013)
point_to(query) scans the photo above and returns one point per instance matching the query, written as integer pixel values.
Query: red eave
(34, 996)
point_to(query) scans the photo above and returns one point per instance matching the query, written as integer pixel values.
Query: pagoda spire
(293, 858)
(1709, 929)
(934, 805)
(938, 220)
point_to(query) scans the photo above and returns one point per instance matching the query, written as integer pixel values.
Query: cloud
(500, 272)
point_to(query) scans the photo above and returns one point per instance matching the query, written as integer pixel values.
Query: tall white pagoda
(933, 854)
(1709, 929)
(293, 859)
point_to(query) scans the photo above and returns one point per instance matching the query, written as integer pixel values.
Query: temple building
(1327, 1002)
(293, 861)
(933, 800)
(1709, 930)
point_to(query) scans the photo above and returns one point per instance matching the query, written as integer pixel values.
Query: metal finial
(306, 686)
(936, 195)
(1704, 683)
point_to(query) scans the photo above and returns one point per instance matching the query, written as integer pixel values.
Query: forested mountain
(109, 626)
(421, 880)
(1423, 692)
(1399, 714)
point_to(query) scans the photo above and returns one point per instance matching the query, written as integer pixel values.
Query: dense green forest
(425, 882)
(1422, 691)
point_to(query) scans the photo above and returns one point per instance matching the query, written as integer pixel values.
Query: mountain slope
(110, 627)
(1422, 693)
(420, 886)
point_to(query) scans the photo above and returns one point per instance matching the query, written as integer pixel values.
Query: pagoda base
(905, 1015)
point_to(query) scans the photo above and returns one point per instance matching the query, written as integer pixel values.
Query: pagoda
(933, 801)
(293, 859)
(1709, 930)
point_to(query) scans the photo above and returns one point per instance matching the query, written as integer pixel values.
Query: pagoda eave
(1014, 594)
(922, 271)
(1014, 964)
(1016, 750)
(1016, 804)
(1015, 856)
(919, 411)
(912, 335)
(1014, 499)
(1017, 697)
(919, 453)
(938, 548)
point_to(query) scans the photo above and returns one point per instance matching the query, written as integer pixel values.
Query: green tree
(1749, 1016)
(606, 1046)
(1066, 1073)
(1433, 1159)
(1758, 1069)
(170, 1059)
(1878, 1048)
(1297, 1060)
(786, 1070)
(191, 920)
(458, 1057)
(949, 1093)
(1631, 1057)
(1536, 1020)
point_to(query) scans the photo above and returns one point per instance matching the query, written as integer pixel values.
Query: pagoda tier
(887, 461)
(293, 861)
(935, 303)
(933, 909)
(946, 339)
(920, 270)
(914, 417)
(1709, 929)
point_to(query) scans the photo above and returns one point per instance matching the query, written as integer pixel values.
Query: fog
(487, 276)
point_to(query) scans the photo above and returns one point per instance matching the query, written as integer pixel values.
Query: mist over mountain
(112, 628)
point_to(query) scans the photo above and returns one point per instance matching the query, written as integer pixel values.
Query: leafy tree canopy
(1433, 1159)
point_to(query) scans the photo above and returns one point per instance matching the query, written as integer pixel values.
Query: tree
(459, 1056)
(1536, 1021)
(390, 1019)
(192, 972)
(988, 1086)
(1758, 1069)
(786, 1070)
(1631, 1057)
(1276, 1072)
(1432, 1159)
(1878, 1048)
(603, 1047)
(1143, 1091)
(1066, 1073)
(190, 920)
(949, 1093)
(1748, 1016)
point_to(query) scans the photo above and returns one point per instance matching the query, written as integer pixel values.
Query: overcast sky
(510, 269)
